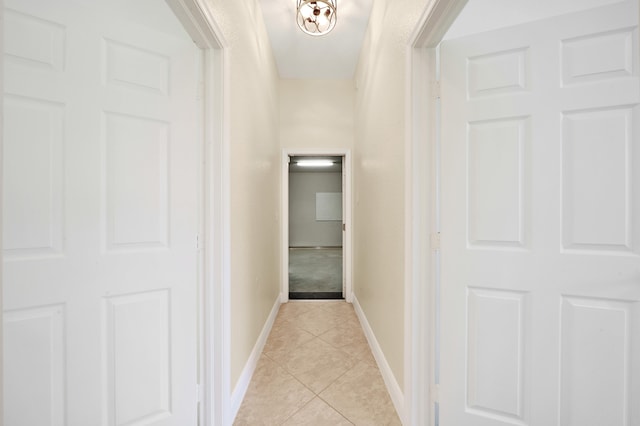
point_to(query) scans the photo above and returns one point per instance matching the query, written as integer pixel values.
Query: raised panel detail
(34, 367)
(137, 175)
(33, 41)
(595, 361)
(597, 179)
(136, 68)
(496, 183)
(33, 177)
(137, 345)
(496, 357)
(498, 73)
(597, 57)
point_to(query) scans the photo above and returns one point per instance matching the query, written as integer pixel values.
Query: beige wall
(255, 174)
(379, 174)
(316, 114)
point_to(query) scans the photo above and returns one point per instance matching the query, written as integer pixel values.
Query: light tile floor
(317, 369)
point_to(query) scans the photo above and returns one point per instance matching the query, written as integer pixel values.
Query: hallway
(487, 172)
(317, 369)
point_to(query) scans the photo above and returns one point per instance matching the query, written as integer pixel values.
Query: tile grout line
(340, 321)
(356, 362)
(333, 382)
(317, 395)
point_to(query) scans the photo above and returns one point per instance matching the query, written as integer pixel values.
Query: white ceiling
(301, 56)
(335, 55)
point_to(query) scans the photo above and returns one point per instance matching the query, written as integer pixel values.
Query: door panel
(101, 215)
(34, 208)
(541, 224)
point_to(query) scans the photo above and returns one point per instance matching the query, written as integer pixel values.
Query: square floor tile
(361, 396)
(273, 396)
(317, 364)
(291, 310)
(283, 340)
(342, 336)
(317, 413)
(317, 321)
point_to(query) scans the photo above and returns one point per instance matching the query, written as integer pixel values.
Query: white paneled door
(541, 223)
(100, 214)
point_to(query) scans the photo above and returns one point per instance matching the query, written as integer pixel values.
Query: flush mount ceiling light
(315, 163)
(316, 17)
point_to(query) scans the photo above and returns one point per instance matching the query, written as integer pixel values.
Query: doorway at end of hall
(316, 227)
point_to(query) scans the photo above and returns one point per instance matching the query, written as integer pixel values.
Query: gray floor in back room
(315, 270)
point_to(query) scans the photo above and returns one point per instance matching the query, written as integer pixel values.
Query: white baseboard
(247, 372)
(393, 388)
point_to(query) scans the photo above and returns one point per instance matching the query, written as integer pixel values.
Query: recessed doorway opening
(315, 227)
(316, 210)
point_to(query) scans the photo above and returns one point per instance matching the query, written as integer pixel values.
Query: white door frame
(346, 220)
(1, 206)
(421, 239)
(214, 292)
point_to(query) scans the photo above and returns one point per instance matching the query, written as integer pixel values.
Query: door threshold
(298, 295)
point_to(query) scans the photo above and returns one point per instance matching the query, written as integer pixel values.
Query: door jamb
(214, 389)
(420, 296)
(1, 205)
(346, 220)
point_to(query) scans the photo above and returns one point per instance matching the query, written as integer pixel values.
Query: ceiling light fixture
(316, 17)
(315, 163)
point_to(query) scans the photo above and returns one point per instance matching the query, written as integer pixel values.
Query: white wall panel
(482, 80)
(595, 362)
(137, 344)
(33, 41)
(33, 195)
(136, 68)
(34, 367)
(496, 182)
(495, 357)
(597, 176)
(487, 15)
(597, 57)
(137, 175)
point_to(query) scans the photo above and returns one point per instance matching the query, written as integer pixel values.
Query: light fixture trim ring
(316, 17)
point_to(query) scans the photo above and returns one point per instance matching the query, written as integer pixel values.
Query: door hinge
(198, 393)
(436, 89)
(435, 241)
(435, 394)
(199, 242)
(344, 226)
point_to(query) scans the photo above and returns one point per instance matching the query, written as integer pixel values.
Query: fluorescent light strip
(315, 163)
